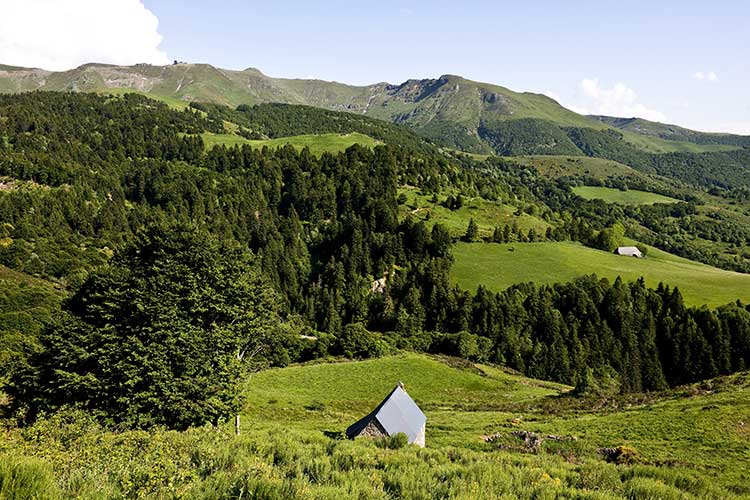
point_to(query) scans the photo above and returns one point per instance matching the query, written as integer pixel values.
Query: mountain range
(450, 110)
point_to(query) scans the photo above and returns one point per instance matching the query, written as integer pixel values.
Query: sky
(684, 62)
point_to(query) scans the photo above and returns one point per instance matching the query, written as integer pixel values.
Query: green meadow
(317, 143)
(498, 266)
(629, 197)
(700, 427)
(686, 444)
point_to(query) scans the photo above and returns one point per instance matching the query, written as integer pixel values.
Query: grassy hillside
(26, 304)
(172, 102)
(629, 197)
(462, 403)
(687, 444)
(562, 166)
(317, 143)
(345, 391)
(660, 145)
(499, 266)
(273, 121)
(487, 214)
(673, 132)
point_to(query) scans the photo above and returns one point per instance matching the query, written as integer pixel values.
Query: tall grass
(70, 457)
(26, 478)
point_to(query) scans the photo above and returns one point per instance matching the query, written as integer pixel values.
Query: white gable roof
(397, 413)
(630, 251)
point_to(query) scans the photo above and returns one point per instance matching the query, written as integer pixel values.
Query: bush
(357, 342)
(622, 455)
(464, 345)
(395, 442)
(691, 482)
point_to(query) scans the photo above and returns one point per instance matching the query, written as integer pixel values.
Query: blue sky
(685, 62)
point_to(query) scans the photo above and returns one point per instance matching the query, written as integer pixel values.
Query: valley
(176, 264)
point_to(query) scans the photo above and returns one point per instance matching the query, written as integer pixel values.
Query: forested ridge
(271, 121)
(87, 177)
(715, 169)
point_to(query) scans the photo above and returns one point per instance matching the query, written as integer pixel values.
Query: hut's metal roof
(397, 413)
(629, 251)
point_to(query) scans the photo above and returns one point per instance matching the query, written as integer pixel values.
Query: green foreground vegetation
(498, 266)
(629, 197)
(685, 444)
(316, 143)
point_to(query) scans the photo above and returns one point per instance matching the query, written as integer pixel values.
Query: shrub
(622, 455)
(690, 482)
(357, 342)
(463, 344)
(395, 442)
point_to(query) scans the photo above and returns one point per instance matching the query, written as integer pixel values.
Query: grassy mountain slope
(629, 197)
(487, 214)
(562, 166)
(317, 143)
(454, 111)
(673, 132)
(499, 266)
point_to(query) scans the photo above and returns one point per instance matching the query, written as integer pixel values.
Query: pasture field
(701, 425)
(498, 266)
(629, 197)
(317, 143)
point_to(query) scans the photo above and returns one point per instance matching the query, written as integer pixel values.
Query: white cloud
(741, 128)
(705, 76)
(59, 35)
(619, 100)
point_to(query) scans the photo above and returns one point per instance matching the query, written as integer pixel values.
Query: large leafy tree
(161, 336)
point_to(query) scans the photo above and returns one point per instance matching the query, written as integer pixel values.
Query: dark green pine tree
(472, 231)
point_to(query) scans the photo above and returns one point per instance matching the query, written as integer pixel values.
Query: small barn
(629, 252)
(397, 413)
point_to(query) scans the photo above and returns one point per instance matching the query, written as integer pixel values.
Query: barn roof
(397, 413)
(628, 251)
